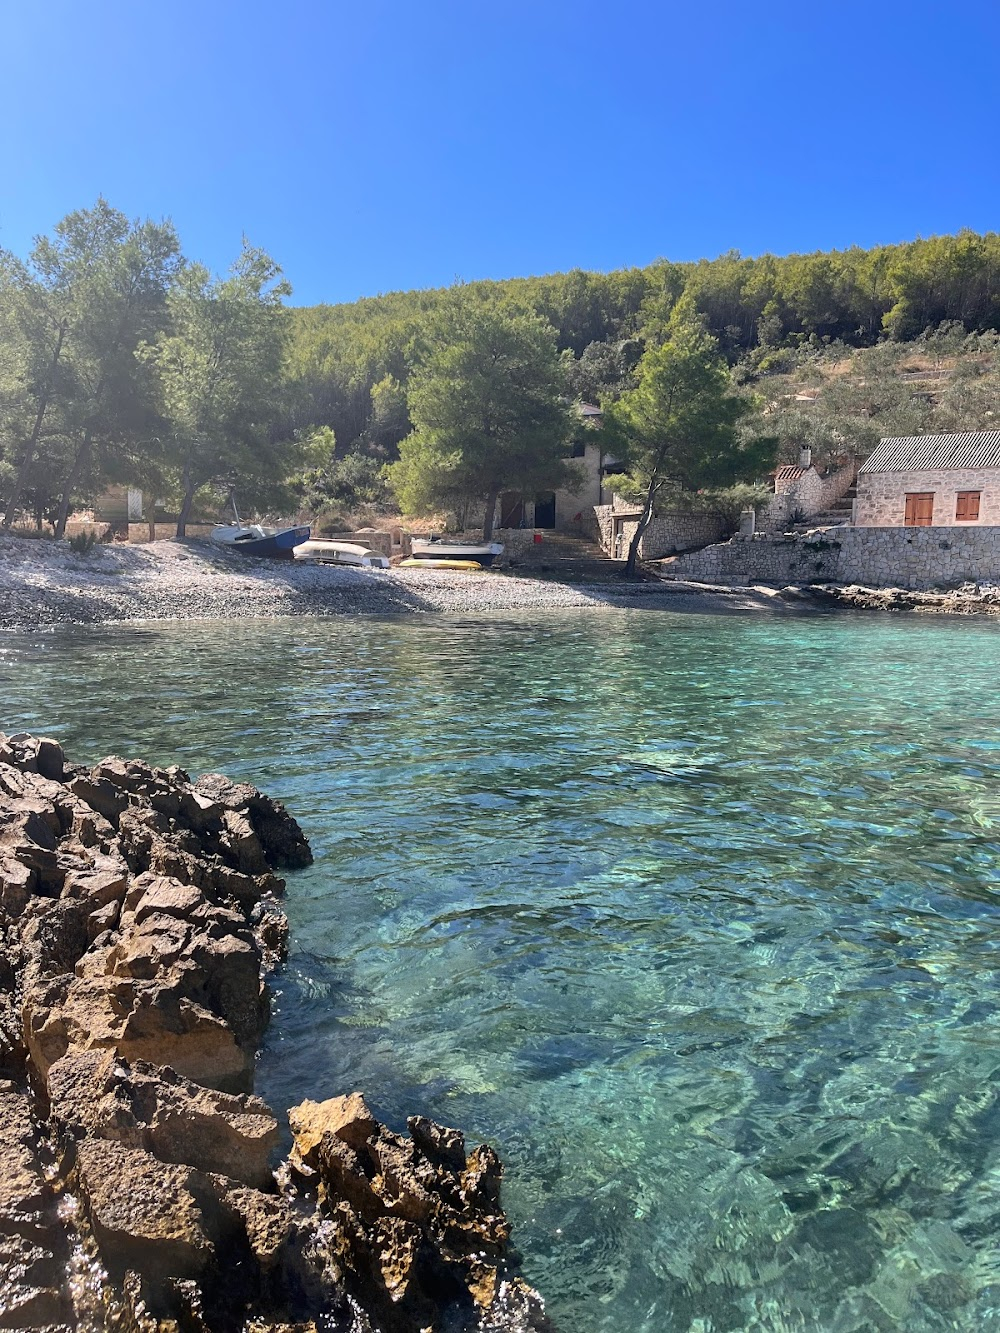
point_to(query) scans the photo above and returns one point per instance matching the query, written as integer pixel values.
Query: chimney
(805, 457)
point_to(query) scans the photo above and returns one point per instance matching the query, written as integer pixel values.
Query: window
(919, 512)
(967, 506)
(579, 449)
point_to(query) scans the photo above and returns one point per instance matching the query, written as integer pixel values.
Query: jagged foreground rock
(139, 917)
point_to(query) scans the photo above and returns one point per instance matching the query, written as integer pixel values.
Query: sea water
(697, 920)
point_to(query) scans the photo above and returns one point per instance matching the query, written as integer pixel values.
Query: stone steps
(566, 558)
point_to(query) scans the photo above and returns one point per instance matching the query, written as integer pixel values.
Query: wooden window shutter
(919, 512)
(967, 506)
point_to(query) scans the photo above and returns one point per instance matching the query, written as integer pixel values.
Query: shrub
(83, 542)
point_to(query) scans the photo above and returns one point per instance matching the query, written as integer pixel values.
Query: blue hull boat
(252, 539)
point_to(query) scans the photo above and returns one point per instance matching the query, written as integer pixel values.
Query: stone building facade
(939, 481)
(803, 492)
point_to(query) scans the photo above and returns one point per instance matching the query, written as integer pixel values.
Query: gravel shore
(46, 583)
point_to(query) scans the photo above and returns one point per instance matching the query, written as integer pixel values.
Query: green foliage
(679, 429)
(83, 542)
(487, 411)
(84, 403)
(349, 485)
(73, 395)
(218, 371)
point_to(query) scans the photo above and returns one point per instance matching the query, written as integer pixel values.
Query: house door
(511, 510)
(545, 510)
(919, 512)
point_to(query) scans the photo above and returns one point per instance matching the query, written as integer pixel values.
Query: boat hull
(471, 566)
(274, 543)
(483, 554)
(339, 553)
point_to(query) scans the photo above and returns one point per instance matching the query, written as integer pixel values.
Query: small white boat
(340, 553)
(438, 548)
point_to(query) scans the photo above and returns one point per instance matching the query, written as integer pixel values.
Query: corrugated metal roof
(926, 453)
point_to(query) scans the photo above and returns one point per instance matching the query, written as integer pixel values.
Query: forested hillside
(123, 361)
(837, 348)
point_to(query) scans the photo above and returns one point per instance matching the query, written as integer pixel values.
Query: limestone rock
(95, 1094)
(347, 1118)
(138, 915)
(143, 1212)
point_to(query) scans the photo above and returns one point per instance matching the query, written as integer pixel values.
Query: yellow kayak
(413, 563)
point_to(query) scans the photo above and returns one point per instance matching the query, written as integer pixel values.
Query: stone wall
(666, 534)
(139, 532)
(912, 558)
(882, 495)
(514, 540)
(762, 558)
(808, 495)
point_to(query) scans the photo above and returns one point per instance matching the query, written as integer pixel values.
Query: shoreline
(44, 584)
(142, 913)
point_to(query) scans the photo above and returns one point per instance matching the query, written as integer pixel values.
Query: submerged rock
(139, 915)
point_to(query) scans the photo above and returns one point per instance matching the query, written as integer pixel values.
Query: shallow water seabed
(696, 920)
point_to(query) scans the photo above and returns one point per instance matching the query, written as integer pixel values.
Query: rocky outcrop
(139, 913)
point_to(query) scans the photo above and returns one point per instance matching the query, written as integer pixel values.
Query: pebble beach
(44, 583)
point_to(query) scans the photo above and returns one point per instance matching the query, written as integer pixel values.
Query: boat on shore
(254, 539)
(322, 552)
(413, 563)
(439, 548)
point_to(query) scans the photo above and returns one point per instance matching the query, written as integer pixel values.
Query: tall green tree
(34, 323)
(679, 428)
(72, 317)
(488, 411)
(218, 368)
(115, 274)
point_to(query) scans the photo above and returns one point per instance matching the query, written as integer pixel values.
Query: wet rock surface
(139, 916)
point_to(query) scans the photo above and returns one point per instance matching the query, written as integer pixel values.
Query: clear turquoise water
(697, 920)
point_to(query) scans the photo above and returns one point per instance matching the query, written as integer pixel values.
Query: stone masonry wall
(809, 494)
(667, 533)
(912, 558)
(138, 533)
(882, 496)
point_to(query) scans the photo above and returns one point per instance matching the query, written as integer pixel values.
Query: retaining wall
(913, 558)
(667, 533)
(139, 532)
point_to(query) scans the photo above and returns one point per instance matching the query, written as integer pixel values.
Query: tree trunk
(29, 449)
(190, 486)
(640, 528)
(75, 473)
(491, 511)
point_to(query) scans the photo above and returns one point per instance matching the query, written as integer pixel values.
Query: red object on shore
(538, 539)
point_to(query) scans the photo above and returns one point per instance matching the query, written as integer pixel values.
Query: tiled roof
(926, 453)
(788, 473)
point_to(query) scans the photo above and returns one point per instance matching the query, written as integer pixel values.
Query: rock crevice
(139, 912)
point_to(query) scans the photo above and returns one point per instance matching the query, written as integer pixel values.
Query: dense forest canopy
(772, 316)
(121, 361)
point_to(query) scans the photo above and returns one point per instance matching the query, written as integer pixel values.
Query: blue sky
(383, 145)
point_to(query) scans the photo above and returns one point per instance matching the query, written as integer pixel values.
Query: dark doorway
(511, 510)
(545, 509)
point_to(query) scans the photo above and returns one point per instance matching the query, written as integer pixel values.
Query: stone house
(802, 492)
(564, 510)
(923, 481)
